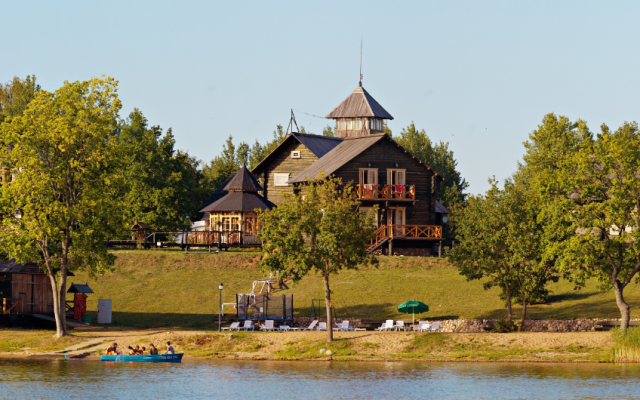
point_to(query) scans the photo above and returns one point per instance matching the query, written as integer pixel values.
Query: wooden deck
(386, 232)
(386, 192)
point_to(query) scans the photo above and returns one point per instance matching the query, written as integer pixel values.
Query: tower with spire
(359, 115)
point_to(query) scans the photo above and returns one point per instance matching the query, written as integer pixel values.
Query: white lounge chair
(322, 326)
(382, 327)
(389, 325)
(233, 327)
(423, 326)
(248, 324)
(344, 326)
(268, 325)
(436, 326)
(311, 326)
(399, 325)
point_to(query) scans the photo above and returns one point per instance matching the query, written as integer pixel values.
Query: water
(23, 379)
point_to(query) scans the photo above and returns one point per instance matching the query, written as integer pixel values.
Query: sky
(478, 75)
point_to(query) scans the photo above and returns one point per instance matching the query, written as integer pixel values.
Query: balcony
(385, 192)
(385, 232)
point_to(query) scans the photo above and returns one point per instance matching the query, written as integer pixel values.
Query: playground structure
(318, 312)
(260, 307)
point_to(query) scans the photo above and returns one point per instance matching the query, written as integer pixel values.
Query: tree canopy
(16, 95)
(65, 198)
(318, 230)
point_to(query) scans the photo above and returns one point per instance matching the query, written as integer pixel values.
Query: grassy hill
(173, 289)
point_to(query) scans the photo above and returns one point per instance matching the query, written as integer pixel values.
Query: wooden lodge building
(385, 174)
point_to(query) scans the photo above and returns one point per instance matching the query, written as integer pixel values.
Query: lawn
(156, 288)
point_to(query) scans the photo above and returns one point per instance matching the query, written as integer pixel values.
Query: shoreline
(364, 346)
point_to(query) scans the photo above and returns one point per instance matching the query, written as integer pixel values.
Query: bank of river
(348, 346)
(314, 380)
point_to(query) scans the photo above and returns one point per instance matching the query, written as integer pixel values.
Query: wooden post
(390, 247)
(440, 249)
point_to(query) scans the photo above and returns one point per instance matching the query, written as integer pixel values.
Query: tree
(438, 157)
(328, 131)
(501, 239)
(163, 185)
(316, 231)
(593, 212)
(16, 95)
(221, 166)
(65, 200)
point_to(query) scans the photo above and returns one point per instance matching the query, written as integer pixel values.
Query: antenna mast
(360, 83)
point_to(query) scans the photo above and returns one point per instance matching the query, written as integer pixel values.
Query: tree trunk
(59, 307)
(509, 308)
(327, 302)
(622, 305)
(524, 312)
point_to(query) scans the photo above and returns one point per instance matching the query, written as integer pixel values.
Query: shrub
(627, 345)
(503, 326)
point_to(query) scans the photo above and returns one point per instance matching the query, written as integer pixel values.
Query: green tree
(259, 152)
(221, 166)
(316, 231)
(162, 183)
(440, 158)
(16, 95)
(328, 131)
(501, 240)
(65, 200)
(593, 212)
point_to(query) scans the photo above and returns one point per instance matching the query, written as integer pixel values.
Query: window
(395, 216)
(349, 124)
(396, 177)
(281, 179)
(343, 124)
(369, 176)
(295, 154)
(358, 123)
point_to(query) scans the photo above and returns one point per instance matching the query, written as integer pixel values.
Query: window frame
(277, 175)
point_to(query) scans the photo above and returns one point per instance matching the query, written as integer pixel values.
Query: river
(44, 379)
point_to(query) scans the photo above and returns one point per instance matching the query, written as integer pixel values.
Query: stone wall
(483, 325)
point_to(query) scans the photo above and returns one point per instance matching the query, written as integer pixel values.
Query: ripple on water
(314, 380)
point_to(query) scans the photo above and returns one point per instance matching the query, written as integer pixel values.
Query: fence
(261, 307)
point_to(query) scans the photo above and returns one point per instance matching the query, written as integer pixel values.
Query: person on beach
(152, 349)
(170, 349)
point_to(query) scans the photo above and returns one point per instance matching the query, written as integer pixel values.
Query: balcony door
(368, 183)
(396, 217)
(395, 177)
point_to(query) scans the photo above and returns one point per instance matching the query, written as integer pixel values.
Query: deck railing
(385, 192)
(406, 232)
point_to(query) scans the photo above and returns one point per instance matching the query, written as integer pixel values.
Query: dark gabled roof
(317, 144)
(13, 267)
(336, 158)
(79, 288)
(441, 209)
(359, 104)
(243, 181)
(140, 225)
(220, 192)
(239, 201)
(345, 152)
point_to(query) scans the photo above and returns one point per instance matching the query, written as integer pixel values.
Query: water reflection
(284, 380)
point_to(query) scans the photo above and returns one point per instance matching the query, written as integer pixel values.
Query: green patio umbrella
(413, 307)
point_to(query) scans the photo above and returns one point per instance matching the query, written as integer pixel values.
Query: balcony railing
(407, 232)
(385, 192)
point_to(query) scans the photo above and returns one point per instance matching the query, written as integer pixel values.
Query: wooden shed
(25, 289)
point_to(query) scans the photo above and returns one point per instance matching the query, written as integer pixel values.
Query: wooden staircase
(380, 241)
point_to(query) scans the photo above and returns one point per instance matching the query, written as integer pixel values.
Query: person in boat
(132, 351)
(138, 350)
(143, 350)
(112, 350)
(170, 349)
(152, 349)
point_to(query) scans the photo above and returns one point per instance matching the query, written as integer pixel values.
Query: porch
(387, 233)
(385, 192)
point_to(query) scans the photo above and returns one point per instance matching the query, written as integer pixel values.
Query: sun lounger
(322, 326)
(344, 326)
(423, 326)
(233, 327)
(311, 326)
(268, 325)
(248, 324)
(399, 325)
(436, 326)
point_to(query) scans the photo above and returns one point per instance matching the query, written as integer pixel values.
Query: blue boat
(171, 358)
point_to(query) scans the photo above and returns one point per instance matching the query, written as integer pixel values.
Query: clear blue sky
(479, 75)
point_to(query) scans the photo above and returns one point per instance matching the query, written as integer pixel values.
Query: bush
(503, 326)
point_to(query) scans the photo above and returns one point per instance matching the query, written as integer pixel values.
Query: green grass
(33, 340)
(167, 289)
(627, 345)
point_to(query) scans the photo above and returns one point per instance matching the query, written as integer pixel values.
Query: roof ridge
(315, 135)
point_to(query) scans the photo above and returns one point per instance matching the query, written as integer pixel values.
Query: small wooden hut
(233, 218)
(25, 289)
